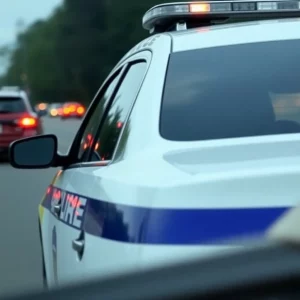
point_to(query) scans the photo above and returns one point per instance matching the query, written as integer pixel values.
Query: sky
(29, 10)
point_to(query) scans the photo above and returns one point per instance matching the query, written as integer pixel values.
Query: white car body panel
(234, 34)
(135, 257)
(191, 195)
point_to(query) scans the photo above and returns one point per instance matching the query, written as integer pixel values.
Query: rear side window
(12, 105)
(232, 91)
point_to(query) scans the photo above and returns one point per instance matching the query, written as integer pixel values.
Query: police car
(192, 139)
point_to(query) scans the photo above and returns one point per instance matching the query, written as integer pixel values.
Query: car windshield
(232, 91)
(11, 105)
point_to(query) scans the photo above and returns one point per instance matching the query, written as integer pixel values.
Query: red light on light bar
(199, 7)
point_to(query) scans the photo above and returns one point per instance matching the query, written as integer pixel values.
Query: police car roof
(235, 33)
(177, 17)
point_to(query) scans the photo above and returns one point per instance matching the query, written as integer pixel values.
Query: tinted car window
(119, 111)
(89, 134)
(232, 91)
(12, 105)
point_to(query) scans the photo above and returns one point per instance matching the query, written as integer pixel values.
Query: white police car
(192, 139)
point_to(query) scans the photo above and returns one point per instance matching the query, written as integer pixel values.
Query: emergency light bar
(161, 17)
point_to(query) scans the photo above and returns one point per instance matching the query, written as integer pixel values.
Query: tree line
(67, 56)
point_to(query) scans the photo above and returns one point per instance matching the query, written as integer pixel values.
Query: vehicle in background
(55, 110)
(18, 118)
(72, 110)
(41, 109)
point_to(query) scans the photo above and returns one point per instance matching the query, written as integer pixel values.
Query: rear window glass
(12, 105)
(232, 91)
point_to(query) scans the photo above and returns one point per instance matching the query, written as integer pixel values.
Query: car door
(93, 148)
(57, 219)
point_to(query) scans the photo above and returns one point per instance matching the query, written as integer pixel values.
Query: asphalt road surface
(20, 193)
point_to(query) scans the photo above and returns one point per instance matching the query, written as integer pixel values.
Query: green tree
(67, 56)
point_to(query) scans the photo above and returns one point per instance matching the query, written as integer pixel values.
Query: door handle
(78, 245)
(57, 209)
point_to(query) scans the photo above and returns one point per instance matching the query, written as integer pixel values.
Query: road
(20, 193)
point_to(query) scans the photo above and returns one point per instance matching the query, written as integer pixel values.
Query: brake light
(80, 110)
(53, 112)
(28, 122)
(42, 106)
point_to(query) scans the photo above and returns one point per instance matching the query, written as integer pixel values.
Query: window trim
(122, 69)
(126, 70)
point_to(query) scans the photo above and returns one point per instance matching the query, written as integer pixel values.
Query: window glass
(12, 105)
(119, 110)
(93, 124)
(232, 91)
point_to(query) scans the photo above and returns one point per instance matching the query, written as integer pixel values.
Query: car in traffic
(55, 110)
(72, 110)
(17, 118)
(193, 138)
(41, 108)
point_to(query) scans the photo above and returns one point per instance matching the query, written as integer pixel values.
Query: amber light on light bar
(199, 7)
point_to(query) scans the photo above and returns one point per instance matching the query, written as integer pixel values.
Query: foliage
(67, 56)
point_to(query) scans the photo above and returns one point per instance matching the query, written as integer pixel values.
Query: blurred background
(59, 52)
(66, 55)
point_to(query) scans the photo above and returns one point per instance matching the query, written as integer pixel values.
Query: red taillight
(28, 122)
(72, 108)
(80, 110)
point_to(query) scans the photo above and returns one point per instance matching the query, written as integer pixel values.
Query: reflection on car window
(232, 91)
(119, 110)
(93, 124)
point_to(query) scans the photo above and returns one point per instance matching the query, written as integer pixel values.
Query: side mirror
(36, 152)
